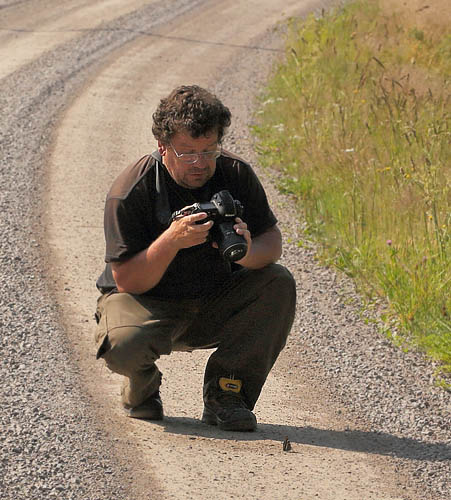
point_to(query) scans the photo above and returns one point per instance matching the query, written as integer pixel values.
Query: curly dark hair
(191, 109)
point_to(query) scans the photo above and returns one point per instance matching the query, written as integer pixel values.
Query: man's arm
(145, 269)
(264, 249)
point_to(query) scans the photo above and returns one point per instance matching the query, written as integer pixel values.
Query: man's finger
(206, 225)
(193, 218)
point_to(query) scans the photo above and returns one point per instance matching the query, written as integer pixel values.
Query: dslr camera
(222, 210)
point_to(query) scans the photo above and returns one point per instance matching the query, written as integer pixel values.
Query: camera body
(222, 210)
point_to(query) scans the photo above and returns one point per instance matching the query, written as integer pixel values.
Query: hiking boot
(224, 406)
(150, 409)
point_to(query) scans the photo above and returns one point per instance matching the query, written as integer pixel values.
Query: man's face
(190, 175)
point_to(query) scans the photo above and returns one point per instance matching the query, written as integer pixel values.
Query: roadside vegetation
(357, 119)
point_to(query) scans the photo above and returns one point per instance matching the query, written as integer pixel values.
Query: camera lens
(236, 254)
(232, 246)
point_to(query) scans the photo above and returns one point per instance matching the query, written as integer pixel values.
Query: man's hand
(184, 232)
(145, 269)
(241, 228)
(262, 249)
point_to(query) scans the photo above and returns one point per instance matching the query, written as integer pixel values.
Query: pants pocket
(103, 347)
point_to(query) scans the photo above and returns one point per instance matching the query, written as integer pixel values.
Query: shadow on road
(378, 443)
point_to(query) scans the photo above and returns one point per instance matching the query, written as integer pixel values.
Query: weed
(358, 118)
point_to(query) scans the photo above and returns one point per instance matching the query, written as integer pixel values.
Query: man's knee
(128, 350)
(284, 283)
(130, 334)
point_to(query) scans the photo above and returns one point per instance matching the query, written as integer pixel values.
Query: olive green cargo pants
(247, 322)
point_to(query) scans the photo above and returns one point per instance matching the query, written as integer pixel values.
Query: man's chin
(195, 182)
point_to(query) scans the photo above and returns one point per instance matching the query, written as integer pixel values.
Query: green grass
(357, 117)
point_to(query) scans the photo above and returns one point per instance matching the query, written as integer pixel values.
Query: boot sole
(145, 415)
(211, 418)
(153, 412)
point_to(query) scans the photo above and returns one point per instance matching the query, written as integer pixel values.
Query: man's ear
(162, 148)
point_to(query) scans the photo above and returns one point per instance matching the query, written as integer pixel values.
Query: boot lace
(230, 399)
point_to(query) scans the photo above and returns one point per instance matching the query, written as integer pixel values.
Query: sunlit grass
(358, 119)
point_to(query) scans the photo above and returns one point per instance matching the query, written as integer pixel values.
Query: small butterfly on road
(286, 445)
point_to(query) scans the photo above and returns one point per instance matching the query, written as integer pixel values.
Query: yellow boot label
(230, 384)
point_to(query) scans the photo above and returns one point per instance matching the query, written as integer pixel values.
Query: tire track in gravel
(12, 3)
(25, 37)
(52, 447)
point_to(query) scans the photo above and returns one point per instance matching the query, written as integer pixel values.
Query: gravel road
(76, 84)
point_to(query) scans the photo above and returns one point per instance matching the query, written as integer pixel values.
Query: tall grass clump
(357, 118)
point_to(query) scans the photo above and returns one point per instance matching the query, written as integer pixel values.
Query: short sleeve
(126, 231)
(128, 212)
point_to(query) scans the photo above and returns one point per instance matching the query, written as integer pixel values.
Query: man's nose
(201, 161)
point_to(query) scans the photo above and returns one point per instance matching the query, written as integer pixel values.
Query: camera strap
(162, 207)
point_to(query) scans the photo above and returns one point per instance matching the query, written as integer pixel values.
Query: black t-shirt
(138, 209)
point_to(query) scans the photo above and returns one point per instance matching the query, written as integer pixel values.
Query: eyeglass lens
(194, 157)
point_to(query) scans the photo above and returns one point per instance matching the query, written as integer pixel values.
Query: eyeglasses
(190, 158)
